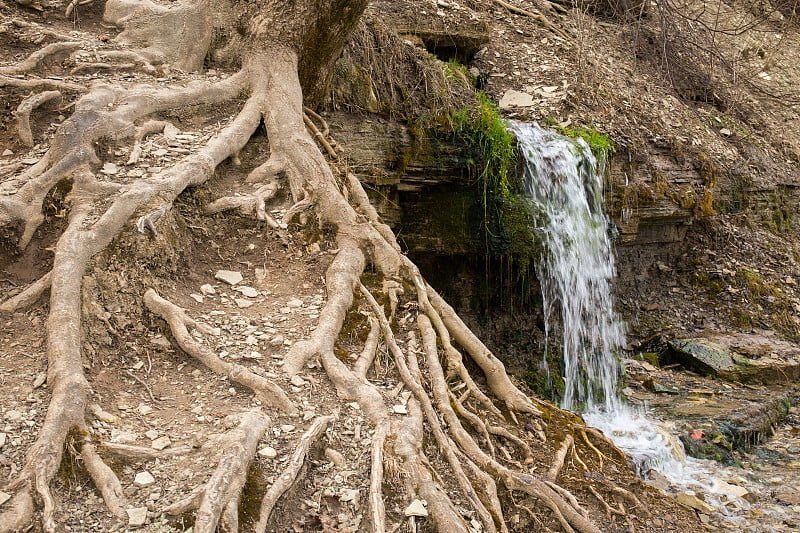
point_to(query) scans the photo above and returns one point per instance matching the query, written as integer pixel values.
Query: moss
(602, 145)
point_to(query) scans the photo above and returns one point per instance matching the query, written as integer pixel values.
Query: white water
(576, 270)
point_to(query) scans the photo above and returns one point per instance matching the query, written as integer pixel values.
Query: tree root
(609, 508)
(105, 480)
(24, 114)
(129, 452)
(558, 460)
(292, 470)
(27, 297)
(178, 322)
(223, 489)
(377, 507)
(535, 15)
(33, 60)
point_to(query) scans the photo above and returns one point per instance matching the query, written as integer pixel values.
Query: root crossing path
(382, 382)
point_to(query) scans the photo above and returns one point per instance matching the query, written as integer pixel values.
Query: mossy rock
(702, 355)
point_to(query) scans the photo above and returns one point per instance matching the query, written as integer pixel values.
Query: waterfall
(577, 266)
(575, 271)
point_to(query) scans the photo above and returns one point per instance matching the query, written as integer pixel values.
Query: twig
(144, 384)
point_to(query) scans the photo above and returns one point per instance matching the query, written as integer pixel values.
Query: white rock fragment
(400, 409)
(41, 377)
(7, 152)
(109, 169)
(2, 440)
(417, 508)
(170, 131)
(14, 416)
(294, 303)
(297, 381)
(160, 443)
(122, 437)
(4, 497)
(242, 303)
(250, 292)
(268, 452)
(287, 428)
(197, 297)
(231, 277)
(513, 98)
(208, 289)
(137, 516)
(151, 434)
(144, 479)
(144, 409)
(102, 415)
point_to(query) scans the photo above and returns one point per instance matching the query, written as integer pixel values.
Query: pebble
(277, 341)
(287, 428)
(109, 169)
(242, 303)
(2, 439)
(14, 416)
(137, 516)
(400, 409)
(151, 434)
(144, 479)
(294, 303)
(231, 277)
(208, 289)
(161, 442)
(144, 409)
(41, 377)
(297, 381)
(4, 497)
(250, 292)
(197, 297)
(7, 152)
(269, 452)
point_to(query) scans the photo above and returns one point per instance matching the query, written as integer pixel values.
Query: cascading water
(575, 271)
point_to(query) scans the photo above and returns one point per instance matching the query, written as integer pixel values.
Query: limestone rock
(694, 502)
(416, 508)
(231, 277)
(144, 479)
(513, 98)
(137, 516)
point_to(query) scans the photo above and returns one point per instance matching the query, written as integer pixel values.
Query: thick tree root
(223, 489)
(105, 480)
(33, 60)
(292, 470)
(24, 114)
(178, 321)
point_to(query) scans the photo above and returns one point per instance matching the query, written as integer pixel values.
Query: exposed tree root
(33, 60)
(535, 15)
(27, 297)
(558, 460)
(223, 489)
(104, 479)
(24, 113)
(178, 322)
(292, 470)
(463, 481)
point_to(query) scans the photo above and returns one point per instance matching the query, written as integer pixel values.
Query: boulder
(702, 355)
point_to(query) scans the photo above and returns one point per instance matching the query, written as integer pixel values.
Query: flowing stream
(576, 270)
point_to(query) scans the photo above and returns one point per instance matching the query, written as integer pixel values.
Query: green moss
(602, 145)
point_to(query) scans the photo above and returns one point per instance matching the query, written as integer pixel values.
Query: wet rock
(690, 500)
(654, 386)
(701, 355)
